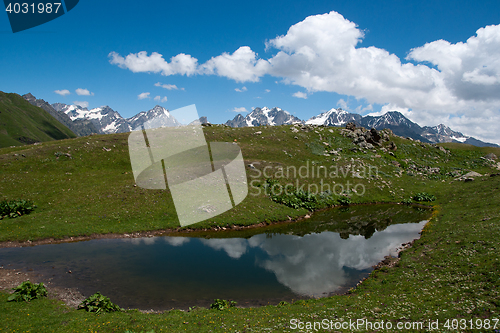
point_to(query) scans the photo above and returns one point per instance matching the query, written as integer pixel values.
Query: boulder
(374, 137)
(358, 132)
(468, 177)
(396, 163)
(442, 149)
(491, 156)
(350, 126)
(358, 140)
(472, 174)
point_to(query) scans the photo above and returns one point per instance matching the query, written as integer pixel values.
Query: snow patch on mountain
(334, 117)
(108, 121)
(154, 118)
(264, 117)
(442, 133)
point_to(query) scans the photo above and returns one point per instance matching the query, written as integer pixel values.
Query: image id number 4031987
(32, 8)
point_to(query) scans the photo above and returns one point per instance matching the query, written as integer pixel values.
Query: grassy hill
(85, 186)
(22, 123)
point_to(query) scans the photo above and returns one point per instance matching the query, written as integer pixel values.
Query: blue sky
(434, 61)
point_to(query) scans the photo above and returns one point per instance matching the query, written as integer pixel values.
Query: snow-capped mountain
(156, 117)
(263, 117)
(399, 124)
(442, 133)
(334, 117)
(395, 121)
(104, 118)
(108, 121)
(391, 118)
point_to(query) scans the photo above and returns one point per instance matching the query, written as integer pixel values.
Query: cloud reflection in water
(315, 264)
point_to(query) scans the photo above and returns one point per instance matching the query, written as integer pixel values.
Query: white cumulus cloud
(239, 110)
(63, 92)
(240, 66)
(300, 94)
(168, 86)
(182, 64)
(321, 54)
(143, 95)
(160, 99)
(241, 90)
(83, 92)
(470, 70)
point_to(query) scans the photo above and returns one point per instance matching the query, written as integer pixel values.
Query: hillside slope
(80, 127)
(22, 123)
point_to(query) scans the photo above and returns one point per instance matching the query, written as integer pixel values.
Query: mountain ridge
(399, 124)
(264, 117)
(107, 121)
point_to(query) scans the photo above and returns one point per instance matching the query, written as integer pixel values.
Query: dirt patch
(11, 278)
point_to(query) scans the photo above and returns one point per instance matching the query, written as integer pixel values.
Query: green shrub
(27, 291)
(98, 303)
(297, 198)
(344, 201)
(15, 208)
(221, 304)
(407, 201)
(424, 196)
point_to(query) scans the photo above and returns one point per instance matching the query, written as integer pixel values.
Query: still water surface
(326, 254)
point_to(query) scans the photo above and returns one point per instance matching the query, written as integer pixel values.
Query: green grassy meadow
(84, 186)
(22, 123)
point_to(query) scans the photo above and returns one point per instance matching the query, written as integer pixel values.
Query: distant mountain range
(106, 120)
(399, 124)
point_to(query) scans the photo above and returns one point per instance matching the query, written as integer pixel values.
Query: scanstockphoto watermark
(354, 325)
(332, 179)
(376, 325)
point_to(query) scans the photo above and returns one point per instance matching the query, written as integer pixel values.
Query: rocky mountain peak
(264, 117)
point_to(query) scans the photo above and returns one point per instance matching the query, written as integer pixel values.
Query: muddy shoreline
(11, 278)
